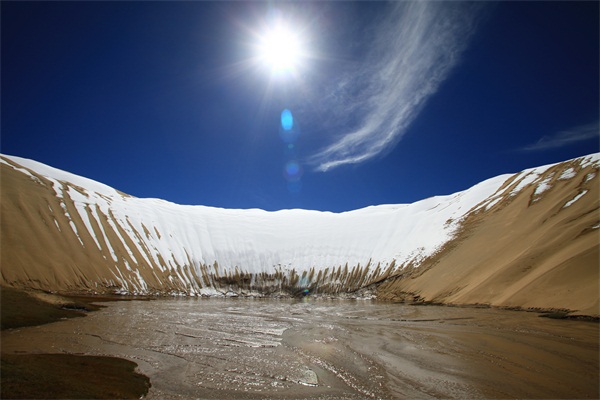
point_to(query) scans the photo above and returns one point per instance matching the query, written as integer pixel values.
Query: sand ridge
(527, 251)
(532, 244)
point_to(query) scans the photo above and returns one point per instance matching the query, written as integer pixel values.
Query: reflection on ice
(280, 349)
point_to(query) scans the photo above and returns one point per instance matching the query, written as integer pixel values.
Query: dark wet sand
(252, 349)
(67, 376)
(60, 376)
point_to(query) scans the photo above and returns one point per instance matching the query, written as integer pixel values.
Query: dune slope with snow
(67, 233)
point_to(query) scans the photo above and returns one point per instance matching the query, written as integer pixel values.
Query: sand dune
(528, 252)
(527, 240)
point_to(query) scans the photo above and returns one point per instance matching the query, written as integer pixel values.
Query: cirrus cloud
(413, 51)
(567, 137)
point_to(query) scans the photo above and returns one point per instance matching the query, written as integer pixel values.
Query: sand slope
(530, 250)
(524, 240)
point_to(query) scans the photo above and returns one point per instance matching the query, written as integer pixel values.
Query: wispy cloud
(413, 51)
(567, 137)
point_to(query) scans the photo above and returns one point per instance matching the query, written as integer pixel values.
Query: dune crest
(526, 240)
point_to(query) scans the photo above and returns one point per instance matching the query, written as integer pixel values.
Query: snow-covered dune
(64, 232)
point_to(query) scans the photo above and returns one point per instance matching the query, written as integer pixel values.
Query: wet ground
(326, 349)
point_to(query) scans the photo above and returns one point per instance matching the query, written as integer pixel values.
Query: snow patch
(567, 174)
(492, 203)
(167, 236)
(543, 185)
(590, 160)
(570, 202)
(23, 170)
(526, 178)
(589, 177)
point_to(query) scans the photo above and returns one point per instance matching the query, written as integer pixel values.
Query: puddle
(319, 349)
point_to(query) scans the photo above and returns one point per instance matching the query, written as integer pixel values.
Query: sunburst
(281, 49)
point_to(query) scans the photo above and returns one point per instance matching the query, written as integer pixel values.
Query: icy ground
(282, 349)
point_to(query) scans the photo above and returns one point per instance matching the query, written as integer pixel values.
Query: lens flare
(293, 171)
(288, 130)
(287, 120)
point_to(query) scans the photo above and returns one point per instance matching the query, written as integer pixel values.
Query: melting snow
(524, 179)
(567, 174)
(258, 241)
(23, 170)
(570, 202)
(543, 185)
(589, 177)
(592, 159)
(492, 203)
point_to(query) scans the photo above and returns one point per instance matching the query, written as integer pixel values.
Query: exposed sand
(523, 253)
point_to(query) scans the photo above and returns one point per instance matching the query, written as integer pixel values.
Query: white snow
(543, 185)
(81, 209)
(524, 179)
(167, 235)
(527, 177)
(55, 174)
(592, 159)
(492, 203)
(570, 202)
(110, 249)
(567, 174)
(589, 177)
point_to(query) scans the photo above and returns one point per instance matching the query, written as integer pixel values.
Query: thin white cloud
(414, 49)
(564, 138)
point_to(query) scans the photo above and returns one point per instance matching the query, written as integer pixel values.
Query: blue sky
(391, 102)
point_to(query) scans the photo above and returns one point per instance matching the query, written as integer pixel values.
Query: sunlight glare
(280, 49)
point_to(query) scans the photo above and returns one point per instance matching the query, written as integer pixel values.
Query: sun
(280, 49)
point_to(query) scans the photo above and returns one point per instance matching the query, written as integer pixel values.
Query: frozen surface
(311, 349)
